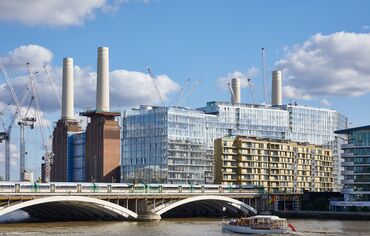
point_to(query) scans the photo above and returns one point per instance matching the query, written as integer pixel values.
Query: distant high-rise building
(277, 165)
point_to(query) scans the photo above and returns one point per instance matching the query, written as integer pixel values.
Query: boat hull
(248, 230)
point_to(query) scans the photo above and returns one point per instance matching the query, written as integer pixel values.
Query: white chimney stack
(276, 95)
(67, 89)
(102, 88)
(235, 85)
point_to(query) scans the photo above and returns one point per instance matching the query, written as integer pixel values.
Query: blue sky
(321, 46)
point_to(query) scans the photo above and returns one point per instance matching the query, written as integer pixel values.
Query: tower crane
(155, 84)
(190, 90)
(53, 86)
(251, 89)
(181, 92)
(2, 134)
(23, 123)
(231, 92)
(48, 154)
(5, 136)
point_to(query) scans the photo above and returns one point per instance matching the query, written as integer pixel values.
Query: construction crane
(5, 136)
(251, 89)
(181, 92)
(53, 86)
(264, 82)
(155, 84)
(190, 91)
(231, 92)
(24, 122)
(48, 154)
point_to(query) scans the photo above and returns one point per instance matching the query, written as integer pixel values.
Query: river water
(177, 227)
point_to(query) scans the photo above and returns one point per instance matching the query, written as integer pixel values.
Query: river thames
(178, 227)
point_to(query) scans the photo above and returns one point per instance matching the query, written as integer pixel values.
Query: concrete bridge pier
(144, 213)
(148, 217)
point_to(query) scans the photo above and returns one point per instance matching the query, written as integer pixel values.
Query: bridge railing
(27, 187)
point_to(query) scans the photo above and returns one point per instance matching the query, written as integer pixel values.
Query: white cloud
(250, 74)
(17, 59)
(132, 87)
(324, 102)
(59, 13)
(327, 65)
(293, 92)
(55, 12)
(52, 12)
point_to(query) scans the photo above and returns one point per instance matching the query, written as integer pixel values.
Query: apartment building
(277, 165)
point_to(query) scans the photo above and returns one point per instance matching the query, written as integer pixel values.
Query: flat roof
(100, 113)
(346, 131)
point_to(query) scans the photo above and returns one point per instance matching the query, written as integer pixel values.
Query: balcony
(348, 181)
(347, 190)
(344, 155)
(347, 146)
(347, 163)
(347, 172)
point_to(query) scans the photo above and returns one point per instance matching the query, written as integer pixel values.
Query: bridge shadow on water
(212, 209)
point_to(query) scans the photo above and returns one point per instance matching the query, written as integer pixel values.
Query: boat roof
(265, 217)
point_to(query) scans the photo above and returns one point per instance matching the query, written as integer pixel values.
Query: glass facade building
(176, 145)
(356, 164)
(167, 145)
(356, 170)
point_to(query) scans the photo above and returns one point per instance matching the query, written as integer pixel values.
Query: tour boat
(260, 224)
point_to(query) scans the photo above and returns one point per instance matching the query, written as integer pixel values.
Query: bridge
(111, 201)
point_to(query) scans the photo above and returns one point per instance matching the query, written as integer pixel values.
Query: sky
(193, 49)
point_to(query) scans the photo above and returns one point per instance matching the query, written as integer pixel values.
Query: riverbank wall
(325, 215)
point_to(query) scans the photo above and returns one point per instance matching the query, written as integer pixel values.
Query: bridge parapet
(24, 187)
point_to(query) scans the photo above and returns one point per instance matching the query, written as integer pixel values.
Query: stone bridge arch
(70, 207)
